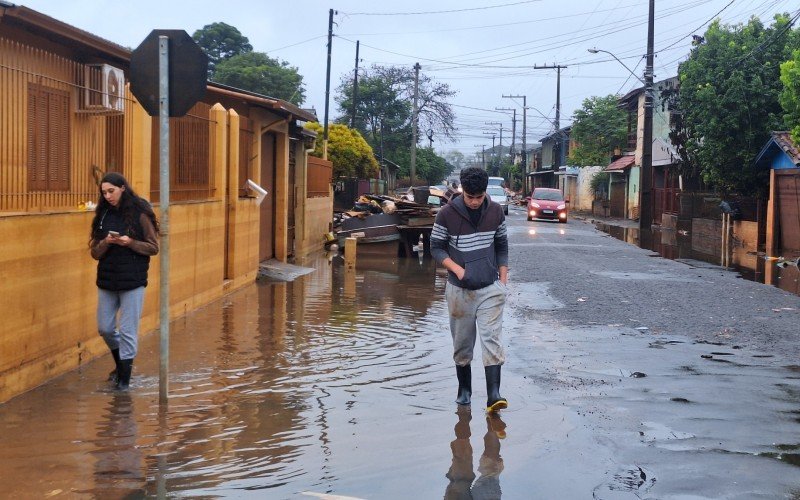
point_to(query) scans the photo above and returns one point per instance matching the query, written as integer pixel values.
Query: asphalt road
(599, 280)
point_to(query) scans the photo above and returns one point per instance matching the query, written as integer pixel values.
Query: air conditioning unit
(104, 89)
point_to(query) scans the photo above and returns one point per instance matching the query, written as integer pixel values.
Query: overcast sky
(482, 49)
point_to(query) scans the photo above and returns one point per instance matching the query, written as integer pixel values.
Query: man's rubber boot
(112, 375)
(124, 379)
(494, 400)
(464, 374)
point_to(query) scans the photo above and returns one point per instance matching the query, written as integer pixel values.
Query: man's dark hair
(474, 180)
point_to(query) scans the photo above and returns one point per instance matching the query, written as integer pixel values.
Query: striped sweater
(480, 249)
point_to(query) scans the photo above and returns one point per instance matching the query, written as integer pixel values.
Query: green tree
(599, 127)
(456, 159)
(728, 101)
(257, 72)
(430, 166)
(384, 109)
(383, 117)
(220, 41)
(347, 150)
(790, 96)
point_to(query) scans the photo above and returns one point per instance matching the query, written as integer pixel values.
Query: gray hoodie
(480, 250)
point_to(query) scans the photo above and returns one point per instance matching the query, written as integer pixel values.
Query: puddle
(340, 384)
(699, 251)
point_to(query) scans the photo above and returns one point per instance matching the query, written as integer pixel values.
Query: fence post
(218, 136)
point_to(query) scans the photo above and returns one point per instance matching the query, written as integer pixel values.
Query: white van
(496, 181)
(498, 194)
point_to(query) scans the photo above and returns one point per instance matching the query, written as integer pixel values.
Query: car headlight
(561, 207)
(533, 213)
(534, 205)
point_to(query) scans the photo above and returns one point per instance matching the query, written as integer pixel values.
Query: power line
(438, 11)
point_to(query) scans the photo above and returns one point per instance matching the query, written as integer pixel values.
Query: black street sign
(188, 70)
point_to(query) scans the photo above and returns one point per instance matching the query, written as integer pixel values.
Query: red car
(545, 203)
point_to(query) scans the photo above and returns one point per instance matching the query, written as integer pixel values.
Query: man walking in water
(469, 239)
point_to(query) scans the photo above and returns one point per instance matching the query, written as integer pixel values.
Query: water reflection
(706, 247)
(463, 485)
(119, 465)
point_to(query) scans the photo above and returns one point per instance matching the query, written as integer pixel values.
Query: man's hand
(454, 268)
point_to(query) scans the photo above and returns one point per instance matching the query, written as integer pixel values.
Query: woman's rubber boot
(494, 400)
(112, 375)
(464, 374)
(125, 369)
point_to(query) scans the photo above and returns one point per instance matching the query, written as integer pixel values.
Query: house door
(789, 208)
(266, 244)
(617, 199)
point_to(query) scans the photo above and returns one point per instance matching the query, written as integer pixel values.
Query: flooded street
(343, 383)
(697, 249)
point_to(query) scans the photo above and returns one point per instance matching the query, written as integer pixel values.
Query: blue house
(781, 155)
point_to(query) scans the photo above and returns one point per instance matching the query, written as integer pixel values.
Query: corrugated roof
(620, 163)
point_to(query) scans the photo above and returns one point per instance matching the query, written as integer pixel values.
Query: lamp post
(646, 184)
(596, 50)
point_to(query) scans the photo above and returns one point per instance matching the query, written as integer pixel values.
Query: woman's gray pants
(477, 313)
(120, 333)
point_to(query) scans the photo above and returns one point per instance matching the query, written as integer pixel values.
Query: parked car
(498, 194)
(496, 181)
(546, 203)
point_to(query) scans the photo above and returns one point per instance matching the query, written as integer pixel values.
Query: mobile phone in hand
(114, 234)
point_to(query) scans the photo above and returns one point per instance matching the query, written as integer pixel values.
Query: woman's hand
(122, 241)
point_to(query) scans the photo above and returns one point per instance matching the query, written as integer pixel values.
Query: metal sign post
(163, 169)
(168, 76)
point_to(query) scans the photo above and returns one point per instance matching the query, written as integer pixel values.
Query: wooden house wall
(49, 294)
(22, 68)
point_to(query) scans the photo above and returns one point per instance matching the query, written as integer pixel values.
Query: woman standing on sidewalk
(124, 236)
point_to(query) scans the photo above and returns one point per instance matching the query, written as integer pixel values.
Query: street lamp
(596, 50)
(646, 179)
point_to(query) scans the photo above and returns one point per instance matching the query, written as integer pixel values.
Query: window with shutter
(48, 138)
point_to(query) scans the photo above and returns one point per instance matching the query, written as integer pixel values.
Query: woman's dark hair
(130, 205)
(474, 180)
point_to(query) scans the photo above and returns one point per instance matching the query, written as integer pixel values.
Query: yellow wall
(49, 292)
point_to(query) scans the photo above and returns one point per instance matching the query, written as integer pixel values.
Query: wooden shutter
(48, 139)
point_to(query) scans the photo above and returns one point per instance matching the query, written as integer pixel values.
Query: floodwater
(697, 249)
(340, 385)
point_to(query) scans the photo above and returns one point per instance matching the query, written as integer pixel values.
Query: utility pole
(524, 133)
(414, 125)
(498, 156)
(355, 90)
(327, 85)
(493, 137)
(645, 189)
(513, 129)
(557, 123)
(483, 155)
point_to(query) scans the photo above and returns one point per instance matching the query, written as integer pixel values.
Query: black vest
(121, 268)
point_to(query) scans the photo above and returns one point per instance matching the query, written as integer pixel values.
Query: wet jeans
(477, 313)
(122, 334)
